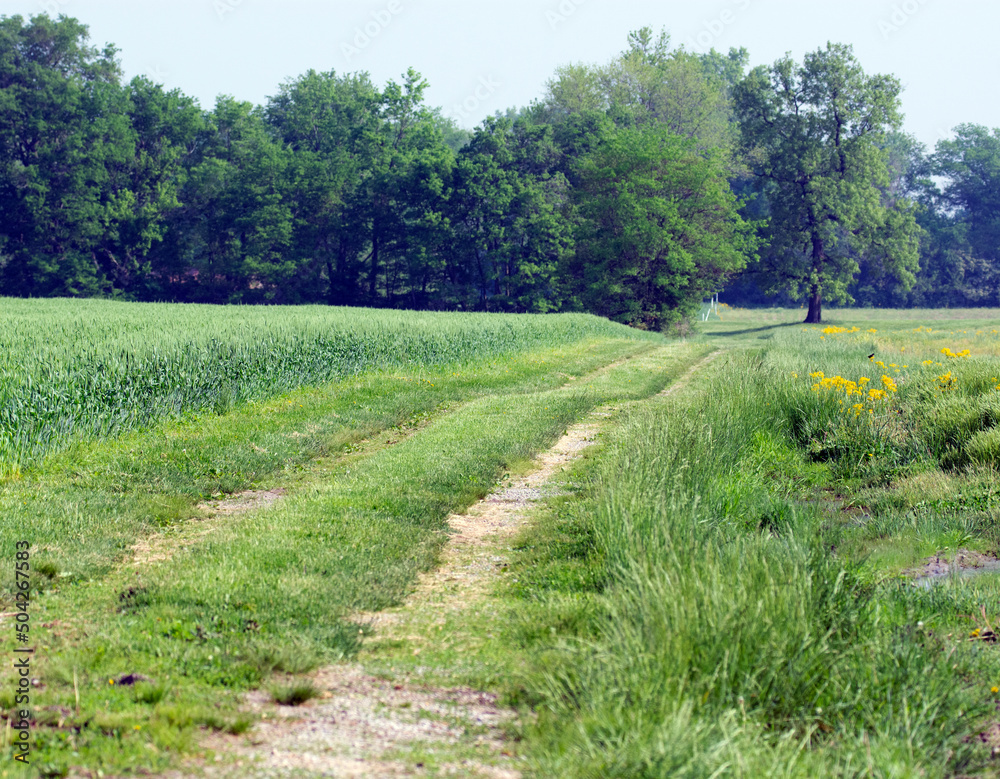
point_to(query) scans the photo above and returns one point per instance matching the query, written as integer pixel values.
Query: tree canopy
(631, 188)
(813, 135)
(660, 227)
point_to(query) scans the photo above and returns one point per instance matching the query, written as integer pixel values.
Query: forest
(631, 189)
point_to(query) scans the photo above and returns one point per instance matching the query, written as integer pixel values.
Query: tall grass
(733, 642)
(943, 409)
(70, 369)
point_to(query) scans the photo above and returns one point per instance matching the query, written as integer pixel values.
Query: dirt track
(366, 726)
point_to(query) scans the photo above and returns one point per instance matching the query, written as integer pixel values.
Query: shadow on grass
(755, 329)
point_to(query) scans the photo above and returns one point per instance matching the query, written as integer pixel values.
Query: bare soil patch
(963, 561)
(242, 501)
(990, 737)
(369, 727)
(160, 547)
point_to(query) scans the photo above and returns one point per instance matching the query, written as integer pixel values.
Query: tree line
(631, 189)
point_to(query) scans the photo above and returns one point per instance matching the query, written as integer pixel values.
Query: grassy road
(137, 577)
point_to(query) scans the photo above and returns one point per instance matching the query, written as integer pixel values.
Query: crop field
(93, 368)
(786, 565)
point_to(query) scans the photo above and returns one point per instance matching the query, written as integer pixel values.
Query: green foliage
(727, 641)
(63, 130)
(511, 233)
(813, 137)
(331, 125)
(341, 192)
(960, 263)
(659, 230)
(234, 230)
(971, 165)
(650, 84)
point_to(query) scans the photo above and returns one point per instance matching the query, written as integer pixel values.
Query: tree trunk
(331, 292)
(373, 278)
(815, 316)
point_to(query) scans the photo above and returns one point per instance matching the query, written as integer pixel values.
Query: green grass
(293, 693)
(87, 505)
(721, 597)
(722, 592)
(371, 465)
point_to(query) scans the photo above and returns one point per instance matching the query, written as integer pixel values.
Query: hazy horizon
(480, 58)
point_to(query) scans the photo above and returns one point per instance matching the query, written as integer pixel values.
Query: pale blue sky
(480, 57)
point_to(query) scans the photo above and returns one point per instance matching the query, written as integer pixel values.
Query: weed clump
(294, 693)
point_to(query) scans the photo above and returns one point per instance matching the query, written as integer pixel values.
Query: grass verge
(712, 600)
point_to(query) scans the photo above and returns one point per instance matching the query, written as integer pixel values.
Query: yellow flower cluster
(949, 353)
(946, 382)
(854, 388)
(839, 384)
(833, 329)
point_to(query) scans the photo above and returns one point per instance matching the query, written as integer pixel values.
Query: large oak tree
(814, 136)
